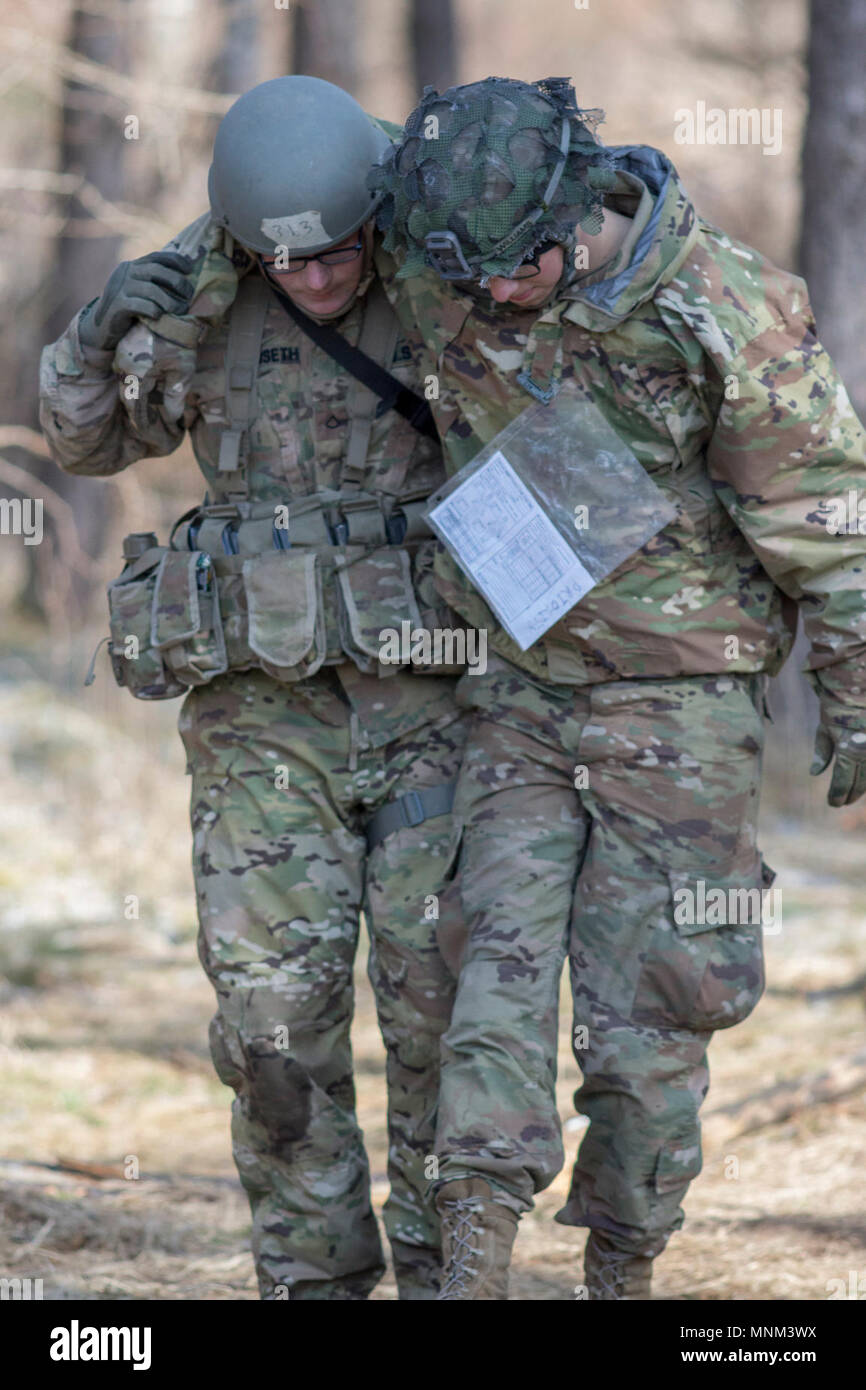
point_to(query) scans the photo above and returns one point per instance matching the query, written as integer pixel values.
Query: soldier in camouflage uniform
(321, 778)
(612, 770)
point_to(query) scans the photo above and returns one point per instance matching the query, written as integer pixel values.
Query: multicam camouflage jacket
(281, 607)
(704, 358)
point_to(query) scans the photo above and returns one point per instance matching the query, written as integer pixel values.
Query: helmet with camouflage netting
(289, 166)
(487, 172)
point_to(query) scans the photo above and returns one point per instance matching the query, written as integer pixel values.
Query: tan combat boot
(615, 1274)
(477, 1236)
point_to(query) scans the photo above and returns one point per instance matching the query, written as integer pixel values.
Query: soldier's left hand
(848, 748)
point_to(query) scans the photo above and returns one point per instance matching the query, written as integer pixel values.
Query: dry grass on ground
(104, 1056)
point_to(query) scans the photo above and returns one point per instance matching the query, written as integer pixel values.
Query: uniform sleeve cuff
(99, 359)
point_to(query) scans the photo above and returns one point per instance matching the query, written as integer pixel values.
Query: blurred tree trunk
(432, 44)
(325, 41)
(236, 65)
(834, 185)
(91, 144)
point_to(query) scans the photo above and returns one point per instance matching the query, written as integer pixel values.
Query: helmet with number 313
(289, 166)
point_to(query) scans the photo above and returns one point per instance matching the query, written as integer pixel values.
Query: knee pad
(277, 1091)
(275, 1087)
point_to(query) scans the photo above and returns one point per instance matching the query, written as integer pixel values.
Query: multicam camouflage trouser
(583, 813)
(282, 872)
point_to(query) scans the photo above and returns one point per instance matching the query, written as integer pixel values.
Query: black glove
(848, 746)
(144, 288)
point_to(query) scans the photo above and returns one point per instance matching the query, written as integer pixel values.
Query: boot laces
(462, 1249)
(609, 1270)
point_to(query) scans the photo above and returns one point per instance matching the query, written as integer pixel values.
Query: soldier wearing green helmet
(609, 791)
(322, 775)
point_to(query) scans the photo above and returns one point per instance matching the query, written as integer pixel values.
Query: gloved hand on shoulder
(146, 288)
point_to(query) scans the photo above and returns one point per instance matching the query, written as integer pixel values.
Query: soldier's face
(320, 289)
(532, 293)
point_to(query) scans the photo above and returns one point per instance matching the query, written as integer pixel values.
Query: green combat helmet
(488, 172)
(289, 166)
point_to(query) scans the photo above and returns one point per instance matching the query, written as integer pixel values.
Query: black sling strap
(396, 396)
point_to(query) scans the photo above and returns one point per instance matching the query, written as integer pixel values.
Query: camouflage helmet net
(501, 164)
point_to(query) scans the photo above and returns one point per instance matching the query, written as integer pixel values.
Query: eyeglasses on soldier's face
(339, 255)
(529, 265)
(445, 254)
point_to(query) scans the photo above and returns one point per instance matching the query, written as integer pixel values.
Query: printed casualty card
(511, 550)
(548, 508)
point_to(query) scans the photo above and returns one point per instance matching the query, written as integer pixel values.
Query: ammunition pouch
(164, 620)
(235, 590)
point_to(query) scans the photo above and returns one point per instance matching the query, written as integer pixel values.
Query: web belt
(409, 810)
(338, 521)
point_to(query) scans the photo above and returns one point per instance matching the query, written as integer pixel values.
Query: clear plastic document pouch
(545, 511)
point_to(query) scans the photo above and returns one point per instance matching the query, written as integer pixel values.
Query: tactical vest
(286, 587)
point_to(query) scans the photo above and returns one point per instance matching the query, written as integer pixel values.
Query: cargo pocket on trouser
(186, 628)
(376, 600)
(136, 663)
(285, 613)
(704, 968)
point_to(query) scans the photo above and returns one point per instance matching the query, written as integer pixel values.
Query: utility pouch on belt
(185, 618)
(377, 598)
(136, 663)
(285, 613)
(164, 620)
